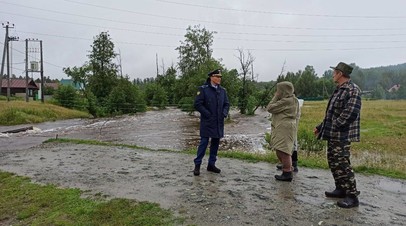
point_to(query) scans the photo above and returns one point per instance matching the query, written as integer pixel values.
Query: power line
(31, 56)
(90, 25)
(281, 13)
(205, 21)
(222, 32)
(90, 17)
(232, 39)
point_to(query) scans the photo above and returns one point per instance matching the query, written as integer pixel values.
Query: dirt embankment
(243, 194)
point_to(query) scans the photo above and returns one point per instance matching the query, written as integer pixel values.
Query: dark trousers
(201, 150)
(338, 157)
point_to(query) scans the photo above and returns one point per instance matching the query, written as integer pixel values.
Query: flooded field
(167, 129)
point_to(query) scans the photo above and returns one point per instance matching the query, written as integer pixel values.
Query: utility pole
(26, 71)
(119, 62)
(4, 54)
(156, 62)
(34, 69)
(42, 73)
(7, 53)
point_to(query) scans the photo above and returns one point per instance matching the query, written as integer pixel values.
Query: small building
(53, 85)
(70, 82)
(394, 88)
(17, 87)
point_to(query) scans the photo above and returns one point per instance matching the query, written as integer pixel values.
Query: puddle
(398, 187)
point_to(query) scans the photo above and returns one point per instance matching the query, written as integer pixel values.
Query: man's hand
(316, 131)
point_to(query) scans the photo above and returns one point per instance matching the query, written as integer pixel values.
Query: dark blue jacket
(213, 106)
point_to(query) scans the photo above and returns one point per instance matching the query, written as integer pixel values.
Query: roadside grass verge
(21, 112)
(26, 203)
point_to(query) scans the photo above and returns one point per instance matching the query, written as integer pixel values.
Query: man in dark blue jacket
(212, 103)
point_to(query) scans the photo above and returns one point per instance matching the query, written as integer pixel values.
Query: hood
(285, 89)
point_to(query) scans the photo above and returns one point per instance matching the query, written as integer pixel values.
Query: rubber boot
(349, 201)
(337, 193)
(196, 171)
(295, 169)
(286, 176)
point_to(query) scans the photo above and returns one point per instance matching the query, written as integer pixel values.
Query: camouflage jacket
(343, 114)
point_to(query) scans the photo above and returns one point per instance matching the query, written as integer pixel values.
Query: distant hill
(384, 76)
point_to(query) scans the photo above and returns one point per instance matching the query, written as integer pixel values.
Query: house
(394, 88)
(53, 85)
(17, 87)
(70, 82)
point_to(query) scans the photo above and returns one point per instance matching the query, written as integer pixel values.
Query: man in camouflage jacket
(340, 127)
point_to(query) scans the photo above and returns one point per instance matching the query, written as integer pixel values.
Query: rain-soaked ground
(242, 194)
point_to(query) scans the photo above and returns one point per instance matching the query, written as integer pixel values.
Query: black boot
(286, 176)
(279, 166)
(213, 168)
(348, 202)
(196, 171)
(295, 169)
(337, 193)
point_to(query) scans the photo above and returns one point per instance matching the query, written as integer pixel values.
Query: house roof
(18, 83)
(54, 85)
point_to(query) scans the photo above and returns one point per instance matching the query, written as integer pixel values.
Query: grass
(21, 112)
(383, 137)
(25, 203)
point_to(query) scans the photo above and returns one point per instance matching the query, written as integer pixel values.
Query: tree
(103, 78)
(195, 61)
(79, 75)
(167, 82)
(246, 61)
(195, 50)
(125, 98)
(306, 85)
(66, 96)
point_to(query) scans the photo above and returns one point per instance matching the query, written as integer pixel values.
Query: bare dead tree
(246, 60)
(268, 90)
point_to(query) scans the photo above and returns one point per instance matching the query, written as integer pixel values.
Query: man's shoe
(196, 171)
(349, 201)
(279, 167)
(286, 176)
(213, 168)
(337, 193)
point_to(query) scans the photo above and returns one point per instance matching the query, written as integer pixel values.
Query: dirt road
(243, 194)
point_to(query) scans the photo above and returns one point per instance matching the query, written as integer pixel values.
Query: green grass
(26, 203)
(383, 136)
(21, 112)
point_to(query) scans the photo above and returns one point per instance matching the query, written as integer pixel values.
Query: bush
(187, 104)
(66, 96)
(125, 98)
(308, 142)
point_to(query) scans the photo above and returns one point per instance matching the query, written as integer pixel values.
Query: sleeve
(226, 106)
(199, 103)
(277, 106)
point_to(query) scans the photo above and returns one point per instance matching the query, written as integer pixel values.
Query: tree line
(107, 92)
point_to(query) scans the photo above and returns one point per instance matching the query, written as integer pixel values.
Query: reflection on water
(167, 129)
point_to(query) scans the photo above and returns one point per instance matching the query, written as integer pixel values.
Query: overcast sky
(319, 33)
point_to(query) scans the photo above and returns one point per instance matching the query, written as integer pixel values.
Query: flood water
(167, 129)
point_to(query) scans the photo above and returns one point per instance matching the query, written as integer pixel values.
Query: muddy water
(167, 129)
